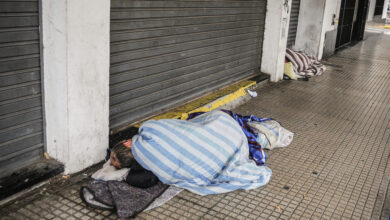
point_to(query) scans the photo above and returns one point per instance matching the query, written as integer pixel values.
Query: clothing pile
(300, 65)
(117, 195)
(128, 191)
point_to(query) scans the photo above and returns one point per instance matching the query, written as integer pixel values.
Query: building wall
(76, 76)
(275, 38)
(76, 68)
(76, 56)
(315, 20)
(371, 10)
(384, 13)
(332, 7)
(310, 27)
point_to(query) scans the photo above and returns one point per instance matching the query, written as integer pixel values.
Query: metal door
(292, 30)
(164, 53)
(360, 23)
(344, 29)
(21, 127)
(379, 7)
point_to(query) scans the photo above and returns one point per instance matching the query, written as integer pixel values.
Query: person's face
(128, 143)
(114, 161)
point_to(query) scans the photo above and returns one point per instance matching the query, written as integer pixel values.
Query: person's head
(121, 155)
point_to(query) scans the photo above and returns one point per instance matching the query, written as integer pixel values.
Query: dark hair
(124, 154)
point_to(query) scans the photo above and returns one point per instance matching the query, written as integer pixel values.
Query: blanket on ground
(206, 155)
(126, 199)
(304, 64)
(98, 194)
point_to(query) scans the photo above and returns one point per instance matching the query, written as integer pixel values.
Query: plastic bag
(109, 172)
(270, 134)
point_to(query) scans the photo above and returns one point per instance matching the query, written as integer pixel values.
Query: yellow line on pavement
(208, 102)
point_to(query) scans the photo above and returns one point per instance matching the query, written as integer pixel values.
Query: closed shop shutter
(21, 126)
(292, 30)
(164, 53)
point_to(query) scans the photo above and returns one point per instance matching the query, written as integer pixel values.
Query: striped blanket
(256, 152)
(206, 155)
(304, 64)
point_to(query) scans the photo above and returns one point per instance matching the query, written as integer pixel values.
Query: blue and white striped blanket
(206, 155)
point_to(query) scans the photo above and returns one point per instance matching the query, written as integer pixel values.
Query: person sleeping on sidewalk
(213, 152)
(122, 157)
(209, 153)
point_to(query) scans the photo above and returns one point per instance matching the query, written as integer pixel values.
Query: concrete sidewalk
(378, 27)
(338, 166)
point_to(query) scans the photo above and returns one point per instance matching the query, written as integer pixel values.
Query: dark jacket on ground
(140, 177)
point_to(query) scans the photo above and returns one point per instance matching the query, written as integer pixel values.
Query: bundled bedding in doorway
(303, 64)
(205, 155)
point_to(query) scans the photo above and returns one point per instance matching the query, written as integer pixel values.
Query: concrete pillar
(384, 12)
(371, 10)
(329, 26)
(275, 38)
(310, 27)
(75, 38)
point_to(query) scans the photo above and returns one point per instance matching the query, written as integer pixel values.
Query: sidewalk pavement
(338, 166)
(378, 27)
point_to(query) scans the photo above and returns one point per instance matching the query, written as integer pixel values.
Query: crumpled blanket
(110, 173)
(205, 155)
(304, 64)
(127, 200)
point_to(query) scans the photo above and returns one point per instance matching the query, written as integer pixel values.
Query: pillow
(289, 70)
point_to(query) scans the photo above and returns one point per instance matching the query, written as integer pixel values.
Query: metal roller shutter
(292, 30)
(164, 53)
(21, 127)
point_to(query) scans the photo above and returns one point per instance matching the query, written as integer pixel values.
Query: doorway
(360, 23)
(352, 22)
(344, 29)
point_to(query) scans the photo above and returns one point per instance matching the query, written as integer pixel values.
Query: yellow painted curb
(221, 101)
(209, 102)
(382, 26)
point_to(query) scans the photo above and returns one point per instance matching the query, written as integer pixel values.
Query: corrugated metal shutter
(292, 30)
(21, 127)
(164, 53)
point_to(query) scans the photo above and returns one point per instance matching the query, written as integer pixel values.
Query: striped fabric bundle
(304, 64)
(206, 155)
(256, 152)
